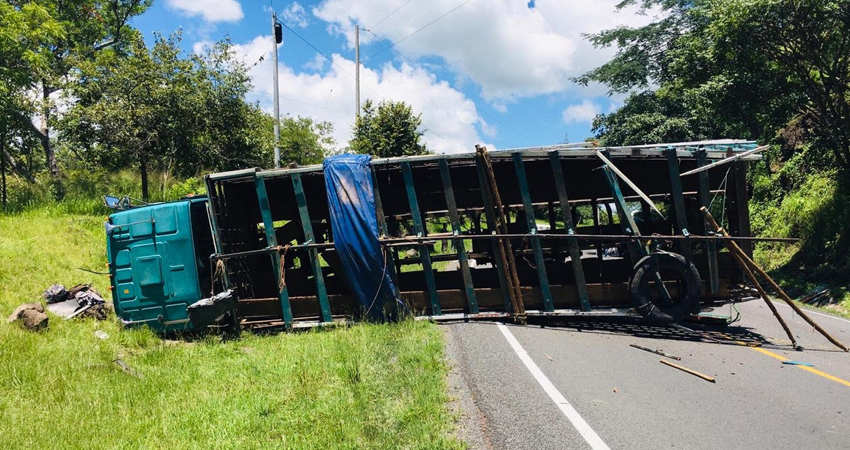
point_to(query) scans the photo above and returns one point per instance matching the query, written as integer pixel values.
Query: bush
(808, 205)
(86, 189)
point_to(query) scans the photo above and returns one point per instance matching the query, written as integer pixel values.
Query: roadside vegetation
(365, 386)
(775, 71)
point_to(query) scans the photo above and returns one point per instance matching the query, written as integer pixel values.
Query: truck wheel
(681, 279)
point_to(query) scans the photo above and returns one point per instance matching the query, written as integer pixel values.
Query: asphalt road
(628, 400)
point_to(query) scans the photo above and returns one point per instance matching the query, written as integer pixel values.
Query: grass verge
(366, 386)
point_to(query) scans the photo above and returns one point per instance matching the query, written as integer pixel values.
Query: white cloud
(318, 63)
(510, 50)
(201, 46)
(294, 14)
(209, 10)
(450, 119)
(583, 112)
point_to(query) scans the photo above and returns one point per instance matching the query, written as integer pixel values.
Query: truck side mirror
(112, 202)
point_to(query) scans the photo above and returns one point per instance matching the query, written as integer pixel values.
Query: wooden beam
(499, 258)
(678, 201)
(629, 182)
(728, 160)
(531, 224)
(271, 240)
(469, 287)
(313, 254)
(705, 200)
(419, 229)
(567, 217)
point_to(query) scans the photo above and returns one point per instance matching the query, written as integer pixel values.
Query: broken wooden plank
(690, 371)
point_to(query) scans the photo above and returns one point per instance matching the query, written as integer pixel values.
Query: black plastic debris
(55, 294)
(208, 311)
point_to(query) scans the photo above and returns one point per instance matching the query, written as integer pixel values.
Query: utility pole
(357, 69)
(277, 32)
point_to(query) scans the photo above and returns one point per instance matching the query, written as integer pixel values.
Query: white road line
(809, 311)
(578, 422)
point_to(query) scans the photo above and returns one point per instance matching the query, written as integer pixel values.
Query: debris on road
(749, 266)
(797, 363)
(81, 300)
(690, 371)
(656, 351)
(819, 297)
(30, 315)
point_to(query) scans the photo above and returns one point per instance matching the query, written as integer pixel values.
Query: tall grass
(366, 386)
(810, 205)
(85, 190)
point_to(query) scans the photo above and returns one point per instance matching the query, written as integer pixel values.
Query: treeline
(80, 89)
(777, 71)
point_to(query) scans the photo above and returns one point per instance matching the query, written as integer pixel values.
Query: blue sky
(495, 72)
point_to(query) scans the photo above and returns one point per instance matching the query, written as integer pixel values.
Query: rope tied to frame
(282, 250)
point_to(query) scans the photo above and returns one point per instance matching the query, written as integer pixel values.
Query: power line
(419, 29)
(389, 15)
(316, 49)
(390, 46)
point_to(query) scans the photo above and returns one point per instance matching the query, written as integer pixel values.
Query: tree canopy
(304, 141)
(54, 39)
(158, 108)
(389, 130)
(731, 68)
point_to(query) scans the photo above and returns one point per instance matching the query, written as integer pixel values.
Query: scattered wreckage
(82, 300)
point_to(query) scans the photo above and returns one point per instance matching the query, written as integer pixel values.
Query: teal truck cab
(159, 262)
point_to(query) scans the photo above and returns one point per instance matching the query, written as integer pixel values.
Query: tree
(304, 141)
(742, 68)
(24, 31)
(389, 130)
(73, 33)
(157, 108)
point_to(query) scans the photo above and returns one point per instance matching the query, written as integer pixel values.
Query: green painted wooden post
(271, 240)
(469, 287)
(384, 232)
(212, 213)
(315, 264)
(596, 229)
(496, 257)
(531, 223)
(678, 200)
(705, 200)
(567, 217)
(627, 222)
(637, 250)
(419, 228)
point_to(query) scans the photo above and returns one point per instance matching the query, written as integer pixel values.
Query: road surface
(581, 386)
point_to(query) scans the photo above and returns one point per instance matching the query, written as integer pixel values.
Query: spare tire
(676, 271)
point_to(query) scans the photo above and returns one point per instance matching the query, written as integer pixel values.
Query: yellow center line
(806, 368)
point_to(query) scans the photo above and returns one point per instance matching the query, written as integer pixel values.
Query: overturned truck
(549, 231)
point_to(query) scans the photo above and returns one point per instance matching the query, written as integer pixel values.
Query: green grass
(365, 386)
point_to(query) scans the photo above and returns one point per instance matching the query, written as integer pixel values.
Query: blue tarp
(351, 200)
